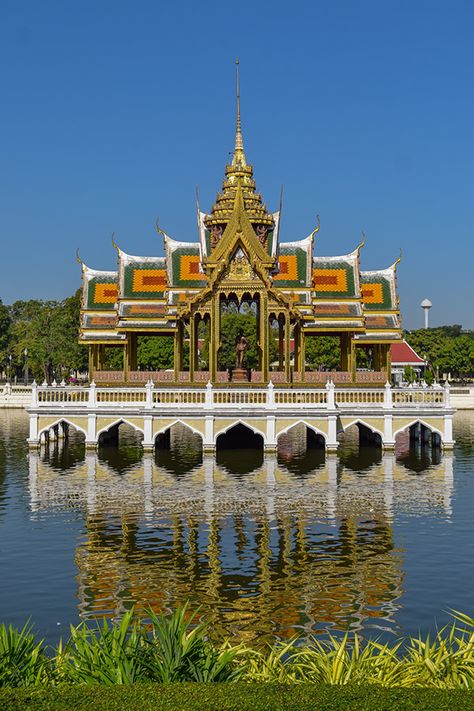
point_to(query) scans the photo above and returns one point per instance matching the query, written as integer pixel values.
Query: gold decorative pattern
(105, 293)
(330, 280)
(149, 280)
(372, 293)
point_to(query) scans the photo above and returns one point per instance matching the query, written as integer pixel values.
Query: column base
(91, 446)
(270, 449)
(388, 446)
(148, 448)
(208, 449)
(448, 446)
(332, 448)
(33, 443)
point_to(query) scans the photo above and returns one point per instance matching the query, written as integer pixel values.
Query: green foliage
(446, 349)
(110, 655)
(178, 652)
(409, 375)
(168, 649)
(49, 330)
(175, 649)
(429, 377)
(22, 658)
(155, 352)
(4, 332)
(113, 358)
(233, 697)
(323, 352)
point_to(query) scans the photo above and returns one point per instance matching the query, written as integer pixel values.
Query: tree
(155, 352)
(457, 357)
(49, 330)
(323, 352)
(444, 349)
(5, 322)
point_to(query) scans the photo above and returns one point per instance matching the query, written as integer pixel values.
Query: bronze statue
(241, 345)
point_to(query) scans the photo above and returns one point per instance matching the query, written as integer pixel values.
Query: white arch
(118, 422)
(178, 422)
(415, 421)
(58, 422)
(306, 424)
(365, 424)
(245, 424)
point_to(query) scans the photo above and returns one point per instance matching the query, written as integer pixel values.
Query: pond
(263, 546)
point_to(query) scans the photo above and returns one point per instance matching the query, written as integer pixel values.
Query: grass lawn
(232, 697)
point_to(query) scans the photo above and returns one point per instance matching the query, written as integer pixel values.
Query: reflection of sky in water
(263, 545)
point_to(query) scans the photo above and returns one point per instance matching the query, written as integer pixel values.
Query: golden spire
(238, 173)
(239, 155)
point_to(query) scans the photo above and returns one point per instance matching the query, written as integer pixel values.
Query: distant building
(403, 355)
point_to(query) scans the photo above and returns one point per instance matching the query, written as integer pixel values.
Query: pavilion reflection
(262, 553)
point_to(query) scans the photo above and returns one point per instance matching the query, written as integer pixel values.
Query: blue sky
(112, 113)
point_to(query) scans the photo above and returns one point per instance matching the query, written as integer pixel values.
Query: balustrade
(300, 397)
(272, 397)
(366, 396)
(178, 397)
(240, 397)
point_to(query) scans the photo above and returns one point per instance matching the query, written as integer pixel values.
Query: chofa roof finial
(318, 226)
(78, 259)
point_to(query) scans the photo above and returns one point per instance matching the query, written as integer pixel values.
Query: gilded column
(287, 348)
(281, 336)
(264, 328)
(353, 362)
(178, 350)
(302, 354)
(296, 351)
(192, 347)
(214, 329)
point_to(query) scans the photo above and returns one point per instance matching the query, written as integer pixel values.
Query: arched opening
(63, 444)
(239, 437)
(120, 445)
(238, 353)
(360, 447)
(239, 450)
(418, 446)
(301, 449)
(178, 449)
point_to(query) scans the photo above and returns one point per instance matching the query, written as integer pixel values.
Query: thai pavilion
(240, 260)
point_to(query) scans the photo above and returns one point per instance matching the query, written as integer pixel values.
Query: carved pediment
(239, 269)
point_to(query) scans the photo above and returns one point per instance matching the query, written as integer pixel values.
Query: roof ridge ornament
(114, 243)
(317, 228)
(79, 260)
(397, 261)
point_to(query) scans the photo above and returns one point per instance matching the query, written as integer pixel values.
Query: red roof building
(402, 354)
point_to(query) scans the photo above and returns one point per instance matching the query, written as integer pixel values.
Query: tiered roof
(240, 237)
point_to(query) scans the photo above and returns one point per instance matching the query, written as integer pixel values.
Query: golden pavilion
(239, 260)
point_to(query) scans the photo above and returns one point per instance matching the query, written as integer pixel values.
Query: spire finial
(239, 156)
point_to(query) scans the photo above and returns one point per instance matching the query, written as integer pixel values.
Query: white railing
(218, 397)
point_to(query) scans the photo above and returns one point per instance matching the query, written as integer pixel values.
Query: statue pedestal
(239, 375)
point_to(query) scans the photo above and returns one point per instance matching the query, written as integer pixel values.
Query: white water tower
(426, 306)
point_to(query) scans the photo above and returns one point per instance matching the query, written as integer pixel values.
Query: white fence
(15, 396)
(248, 398)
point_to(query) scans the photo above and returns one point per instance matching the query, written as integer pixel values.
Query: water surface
(264, 546)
